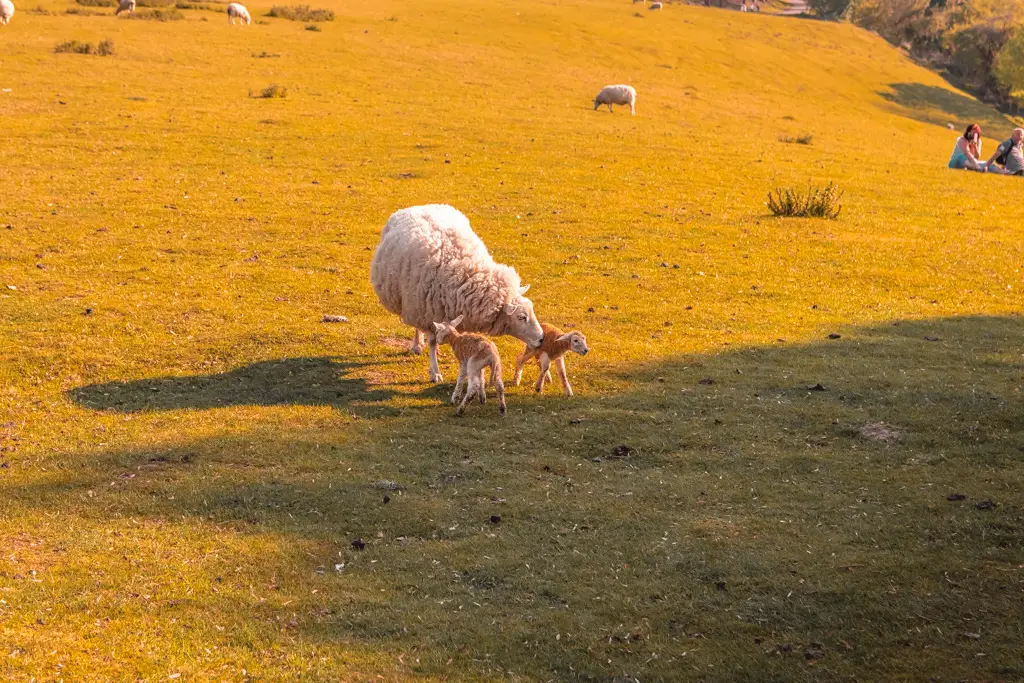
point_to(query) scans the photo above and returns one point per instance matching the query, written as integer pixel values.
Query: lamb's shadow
(320, 381)
(939, 106)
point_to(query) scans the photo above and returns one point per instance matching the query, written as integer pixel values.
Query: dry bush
(798, 140)
(301, 13)
(270, 92)
(104, 49)
(313, 27)
(155, 15)
(821, 202)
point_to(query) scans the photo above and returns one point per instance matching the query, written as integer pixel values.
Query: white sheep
(617, 94)
(125, 6)
(237, 11)
(6, 11)
(475, 353)
(655, 5)
(430, 266)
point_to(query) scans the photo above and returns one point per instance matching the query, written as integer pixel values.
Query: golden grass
(187, 453)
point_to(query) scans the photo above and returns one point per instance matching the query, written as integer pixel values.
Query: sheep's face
(522, 323)
(577, 342)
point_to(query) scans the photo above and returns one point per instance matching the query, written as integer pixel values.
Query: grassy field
(187, 453)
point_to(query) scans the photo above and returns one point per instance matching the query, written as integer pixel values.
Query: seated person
(1009, 154)
(967, 152)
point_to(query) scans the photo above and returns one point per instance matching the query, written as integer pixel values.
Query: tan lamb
(475, 354)
(552, 350)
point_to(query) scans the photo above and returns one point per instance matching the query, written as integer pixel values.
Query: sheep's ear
(524, 289)
(565, 337)
(455, 323)
(510, 308)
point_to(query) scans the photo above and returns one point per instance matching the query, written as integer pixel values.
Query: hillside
(187, 452)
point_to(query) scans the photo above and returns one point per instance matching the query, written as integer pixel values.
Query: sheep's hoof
(501, 409)
(436, 378)
(415, 350)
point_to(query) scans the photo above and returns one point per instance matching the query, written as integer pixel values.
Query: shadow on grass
(750, 533)
(939, 106)
(292, 381)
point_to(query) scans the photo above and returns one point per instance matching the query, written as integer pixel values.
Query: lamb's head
(443, 331)
(516, 318)
(577, 342)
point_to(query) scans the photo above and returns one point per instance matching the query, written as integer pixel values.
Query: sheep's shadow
(318, 381)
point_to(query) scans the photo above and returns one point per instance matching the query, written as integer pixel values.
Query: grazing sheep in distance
(617, 94)
(6, 11)
(552, 350)
(475, 353)
(237, 11)
(430, 266)
(655, 5)
(125, 6)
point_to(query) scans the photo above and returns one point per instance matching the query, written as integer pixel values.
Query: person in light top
(967, 152)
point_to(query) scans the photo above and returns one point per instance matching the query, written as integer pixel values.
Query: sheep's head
(520, 321)
(577, 342)
(444, 330)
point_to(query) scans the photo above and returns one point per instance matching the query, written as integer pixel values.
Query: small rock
(720, 585)
(816, 387)
(590, 310)
(335, 319)
(622, 451)
(88, 311)
(495, 519)
(675, 266)
(985, 505)
(814, 651)
(689, 308)
(387, 499)
(358, 544)
(577, 420)
(931, 339)
(253, 259)
(878, 431)
(835, 336)
(706, 381)
(664, 264)
(953, 497)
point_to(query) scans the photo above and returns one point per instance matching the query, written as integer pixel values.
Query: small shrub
(391, 19)
(638, 15)
(193, 5)
(39, 9)
(97, 3)
(313, 27)
(799, 140)
(264, 55)
(155, 15)
(300, 13)
(83, 12)
(270, 92)
(821, 202)
(104, 49)
(154, 3)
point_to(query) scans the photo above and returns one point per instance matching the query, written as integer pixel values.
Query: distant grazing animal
(636, 1)
(617, 94)
(125, 6)
(237, 11)
(6, 11)
(431, 266)
(475, 353)
(655, 5)
(552, 350)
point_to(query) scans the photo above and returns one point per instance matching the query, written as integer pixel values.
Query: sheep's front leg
(632, 109)
(560, 367)
(417, 342)
(460, 383)
(435, 373)
(545, 365)
(610, 108)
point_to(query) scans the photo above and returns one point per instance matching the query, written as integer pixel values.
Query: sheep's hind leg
(417, 342)
(435, 373)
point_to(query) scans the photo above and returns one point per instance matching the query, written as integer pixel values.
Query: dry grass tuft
(300, 13)
(815, 203)
(798, 140)
(270, 92)
(105, 48)
(155, 15)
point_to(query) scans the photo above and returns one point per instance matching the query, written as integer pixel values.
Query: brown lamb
(475, 354)
(555, 345)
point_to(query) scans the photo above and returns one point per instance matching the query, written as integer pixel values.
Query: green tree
(1009, 66)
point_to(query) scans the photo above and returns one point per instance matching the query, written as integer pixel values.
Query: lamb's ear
(510, 308)
(524, 289)
(565, 337)
(437, 327)
(455, 323)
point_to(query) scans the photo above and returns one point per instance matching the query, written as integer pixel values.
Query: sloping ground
(187, 453)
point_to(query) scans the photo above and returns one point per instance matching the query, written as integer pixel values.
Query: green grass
(187, 453)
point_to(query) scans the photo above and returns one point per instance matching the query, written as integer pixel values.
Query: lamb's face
(441, 332)
(578, 343)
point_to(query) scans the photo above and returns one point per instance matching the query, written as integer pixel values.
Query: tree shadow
(749, 518)
(939, 106)
(321, 381)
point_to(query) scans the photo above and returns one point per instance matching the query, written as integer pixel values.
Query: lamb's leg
(521, 362)
(435, 373)
(483, 387)
(499, 387)
(560, 366)
(417, 342)
(460, 383)
(545, 364)
(469, 394)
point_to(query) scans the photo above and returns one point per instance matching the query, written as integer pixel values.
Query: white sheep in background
(6, 11)
(125, 6)
(617, 94)
(655, 5)
(237, 11)
(475, 353)
(430, 266)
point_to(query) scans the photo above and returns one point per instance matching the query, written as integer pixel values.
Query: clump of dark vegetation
(264, 55)
(270, 92)
(39, 9)
(313, 27)
(104, 49)
(155, 15)
(300, 13)
(97, 3)
(798, 140)
(194, 5)
(83, 12)
(823, 202)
